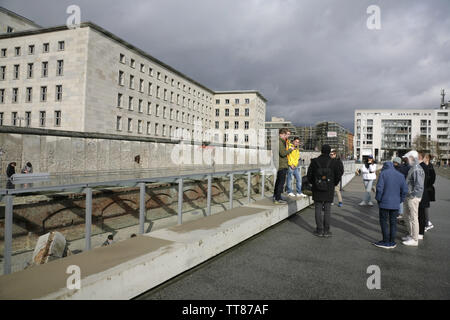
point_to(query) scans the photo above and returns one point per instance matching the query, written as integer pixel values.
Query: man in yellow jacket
(294, 168)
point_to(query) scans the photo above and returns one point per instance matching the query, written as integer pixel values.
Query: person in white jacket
(369, 175)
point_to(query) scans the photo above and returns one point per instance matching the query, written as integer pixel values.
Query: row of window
(162, 93)
(236, 125)
(236, 112)
(30, 70)
(163, 129)
(164, 78)
(43, 94)
(236, 101)
(16, 120)
(32, 49)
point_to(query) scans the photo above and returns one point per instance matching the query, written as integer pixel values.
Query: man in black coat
(324, 175)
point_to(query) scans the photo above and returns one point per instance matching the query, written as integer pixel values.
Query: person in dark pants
(391, 192)
(431, 191)
(425, 202)
(283, 152)
(324, 175)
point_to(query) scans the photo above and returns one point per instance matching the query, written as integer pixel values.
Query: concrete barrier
(131, 267)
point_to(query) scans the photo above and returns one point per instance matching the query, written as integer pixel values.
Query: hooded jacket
(391, 187)
(415, 178)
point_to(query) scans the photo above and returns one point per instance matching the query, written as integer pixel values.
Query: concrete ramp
(131, 267)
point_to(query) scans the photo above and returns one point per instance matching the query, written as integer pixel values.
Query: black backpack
(324, 177)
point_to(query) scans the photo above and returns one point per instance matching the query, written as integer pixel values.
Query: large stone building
(386, 133)
(87, 79)
(335, 135)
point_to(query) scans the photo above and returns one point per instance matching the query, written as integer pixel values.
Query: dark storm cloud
(313, 60)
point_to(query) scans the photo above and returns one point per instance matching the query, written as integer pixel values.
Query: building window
(141, 85)
(227, 125)
(247, 112)
(2, 72)
(1, 118)
(59, 67)
(217, 101)
(45, 47)
(225, 137)
(157, 110)
(121, 78)
(142, 68)
(3, 53)
(59, 92)
(29, 96)
(2, 95)
(217, 112)
(149, 127)
(246, 125)
(247, 101)
(150, 72)
(149, 108)
(119, 100)
(17, 51)
(43, 94)
(227, 101)
(15, 95)
(16, 72)
(9, 29)
(132, 63)
(236, 125)
(31, 49)
(216, 125)
(14, 118)
(227, 112)
(57, 118)
(30, 70)
(236, 101)
(150, 89)
(122, 58)
(130, 103)
(164, 130)
(61, 45)
(27, 118)
(139, 126)
(236, 112)
(140, 107)
(131, 81)
(156, 129)
(246, 138)
(130, 125)
(119, 123)
(42, 118)
(44, 69)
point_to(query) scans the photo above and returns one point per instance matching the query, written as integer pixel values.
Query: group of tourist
(404, 189)
(11, 169)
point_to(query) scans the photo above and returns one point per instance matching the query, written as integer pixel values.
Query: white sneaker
(291, 195)
(420, 237)
(301, 195)
(363, 203)
(408, 237)
(370, 203)
(411, 242)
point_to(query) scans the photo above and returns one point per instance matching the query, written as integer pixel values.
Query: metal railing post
(263, 178)
(231, 190)
(88, 219)
(208, 197)
(142, 208)
(180, 201)
(8, 234)
(249, 186)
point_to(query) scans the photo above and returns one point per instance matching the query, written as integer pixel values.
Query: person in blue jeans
(294, 169)
(391, 191)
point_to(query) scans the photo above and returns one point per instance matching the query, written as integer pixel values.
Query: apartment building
(87, 79)
(386, 133)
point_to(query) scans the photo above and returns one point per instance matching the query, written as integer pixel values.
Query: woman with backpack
(369, 175)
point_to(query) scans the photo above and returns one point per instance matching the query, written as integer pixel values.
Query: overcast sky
(313, 60)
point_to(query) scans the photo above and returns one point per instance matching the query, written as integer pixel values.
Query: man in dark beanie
(324, 175)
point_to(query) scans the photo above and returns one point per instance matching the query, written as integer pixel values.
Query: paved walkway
(288, 262)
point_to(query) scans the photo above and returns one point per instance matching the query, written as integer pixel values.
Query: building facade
(336, 136)
(87, 79)
(386, 133)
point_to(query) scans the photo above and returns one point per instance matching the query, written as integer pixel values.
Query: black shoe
(318, 233)
(327, 234)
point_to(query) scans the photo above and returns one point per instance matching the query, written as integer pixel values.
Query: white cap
(412, 153)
